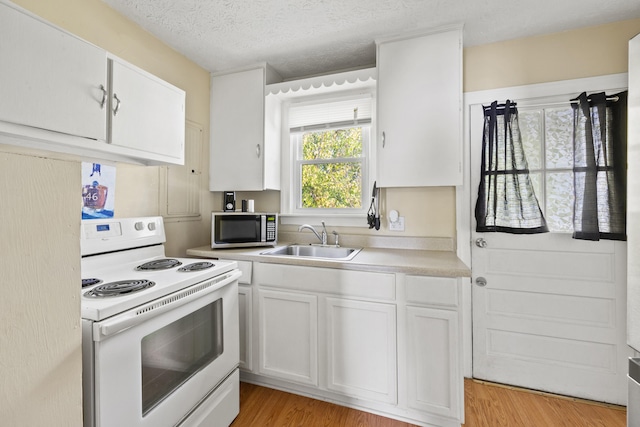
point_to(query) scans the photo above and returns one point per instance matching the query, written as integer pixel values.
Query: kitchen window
(330, 157)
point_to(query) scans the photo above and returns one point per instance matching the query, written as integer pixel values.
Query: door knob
(481, 281)
(481, 243)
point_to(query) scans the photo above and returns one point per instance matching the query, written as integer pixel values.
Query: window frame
(290, 210)
(298, 163)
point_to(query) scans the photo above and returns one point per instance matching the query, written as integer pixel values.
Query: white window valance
(327, 84)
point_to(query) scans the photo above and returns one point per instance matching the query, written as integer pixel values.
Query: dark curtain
(599, 166)
(506, 200)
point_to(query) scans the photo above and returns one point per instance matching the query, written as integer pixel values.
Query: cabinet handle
(384, 139)
(117, 107)
(258, 150)
(104, 97)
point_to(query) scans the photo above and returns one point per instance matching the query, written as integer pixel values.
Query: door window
(171, 355)
(547, 140)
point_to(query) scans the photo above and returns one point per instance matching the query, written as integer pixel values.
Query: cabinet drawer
(440, 291)
(328, 280)
(246, 267)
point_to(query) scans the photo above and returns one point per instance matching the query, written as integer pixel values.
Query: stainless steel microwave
(243, 229)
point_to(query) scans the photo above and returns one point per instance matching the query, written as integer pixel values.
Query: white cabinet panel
(50, 79)
(242, 159)
(419, 110)
(180, 184)
(289, 336)
(434, 376)
(147, 115)
(245, 306)
(361, 349)
(58, 93)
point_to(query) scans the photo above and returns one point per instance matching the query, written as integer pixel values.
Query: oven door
(154, 364)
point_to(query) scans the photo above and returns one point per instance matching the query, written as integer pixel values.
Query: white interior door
(548, 310)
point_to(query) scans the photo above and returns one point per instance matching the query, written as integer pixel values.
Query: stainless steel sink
(314, 251)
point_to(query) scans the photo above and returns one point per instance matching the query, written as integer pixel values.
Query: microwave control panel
(271, 228)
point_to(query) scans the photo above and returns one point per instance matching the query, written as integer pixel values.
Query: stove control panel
(101, 230)
(105, 235)
(140, 226)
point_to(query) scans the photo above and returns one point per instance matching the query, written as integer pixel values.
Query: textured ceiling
(307, 37)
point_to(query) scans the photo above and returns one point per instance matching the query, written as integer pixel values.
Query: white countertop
(409, 261)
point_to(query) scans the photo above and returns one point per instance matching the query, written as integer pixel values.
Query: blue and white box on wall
(98, 190)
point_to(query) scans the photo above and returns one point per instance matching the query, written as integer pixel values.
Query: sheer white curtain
(506, 200)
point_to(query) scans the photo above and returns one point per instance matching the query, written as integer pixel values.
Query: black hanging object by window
(373, 216)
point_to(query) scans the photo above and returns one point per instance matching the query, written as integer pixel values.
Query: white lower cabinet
(433, 378)
(380, 342)
(361, 349)
(289, 336)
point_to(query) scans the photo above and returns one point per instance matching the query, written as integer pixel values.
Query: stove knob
(152, 226)
(139, 226)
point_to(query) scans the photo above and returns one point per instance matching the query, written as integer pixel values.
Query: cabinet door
(361, 349)
(419, 111)
(434, 374)
(50, 79)
(245, 306)
(289, 336)
(147, 115)
(237, 131)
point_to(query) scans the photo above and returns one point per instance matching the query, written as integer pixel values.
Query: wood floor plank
(486, 405)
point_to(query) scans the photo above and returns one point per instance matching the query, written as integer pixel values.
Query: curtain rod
(501, 107)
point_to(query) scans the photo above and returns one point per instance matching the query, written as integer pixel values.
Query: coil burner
(159, 264)
(196, 266)
(122, 287)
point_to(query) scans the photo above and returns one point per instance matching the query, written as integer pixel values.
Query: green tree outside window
(331, 169)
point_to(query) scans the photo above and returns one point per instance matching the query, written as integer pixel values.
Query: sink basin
(310, 251)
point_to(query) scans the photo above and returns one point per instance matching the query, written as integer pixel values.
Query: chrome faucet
(322, 238)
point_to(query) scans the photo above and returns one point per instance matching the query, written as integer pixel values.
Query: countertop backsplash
(384, 242)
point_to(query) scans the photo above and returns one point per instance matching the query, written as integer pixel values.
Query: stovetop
(123, 264)
(112, 269)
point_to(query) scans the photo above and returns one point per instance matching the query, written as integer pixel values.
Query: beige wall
(40, 338)
(586, 52)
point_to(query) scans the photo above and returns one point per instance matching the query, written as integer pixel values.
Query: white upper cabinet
(243, 156)
(50, 79)
(147, 115)
(58, 93)
(419, 132)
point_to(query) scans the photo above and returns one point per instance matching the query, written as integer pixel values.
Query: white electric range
(160, 334)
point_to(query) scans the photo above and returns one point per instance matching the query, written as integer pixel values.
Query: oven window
(171, 355)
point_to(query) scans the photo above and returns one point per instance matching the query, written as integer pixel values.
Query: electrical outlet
(397, 225)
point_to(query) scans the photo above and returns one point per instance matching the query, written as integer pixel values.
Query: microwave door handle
(138, 315)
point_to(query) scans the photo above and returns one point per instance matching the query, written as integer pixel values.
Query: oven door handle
(138, 315)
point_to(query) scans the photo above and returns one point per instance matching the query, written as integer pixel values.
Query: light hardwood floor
(486, 405)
